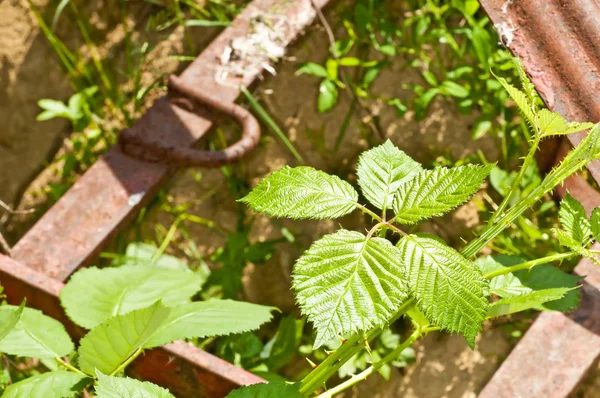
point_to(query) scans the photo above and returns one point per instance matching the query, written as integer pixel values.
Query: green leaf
(264, 390)
(125, 387)
(454, 89)
(345, 283)
(381, 170)
(574, 220)
(144, 254)
(528, 86)
(210, 318)
(520, 98)
(93, 295)
(431, 193)
(530, 282)
(302, 192)
(534, 299)
(310, 68)
(328, 95)
(595, 223)
(37, 336)
(282, 347)
(552, 123)
(9, 317)
(422, 102)
(56, 384)
(111, 343)
(449, 289)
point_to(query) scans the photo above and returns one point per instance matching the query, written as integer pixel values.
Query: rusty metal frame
(559, 44)
(74, 231)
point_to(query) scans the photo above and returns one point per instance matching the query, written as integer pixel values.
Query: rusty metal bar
(559, 44)
(72, 233)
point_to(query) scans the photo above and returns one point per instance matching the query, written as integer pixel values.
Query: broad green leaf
(139, 253)
(125, 387)
(210, 318)
(434, 192)
(595, 223)
(574, 220)
(302, 192)
(520, 98)
(328, 95)
(552, 123)
(264, 390)
(93, 295)
(310, 68)
(56, 384)
(449, 289)
(530, 282)
(9, 316)
(381, 170)
(534, 299)
(37, 336)
(345, 283)
(111, 343)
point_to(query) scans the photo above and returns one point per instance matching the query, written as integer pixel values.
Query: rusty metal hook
(142, 148)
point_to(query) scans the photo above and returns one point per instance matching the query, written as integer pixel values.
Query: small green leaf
(595, 223)
(552, 123)
(328, 95)
(422, 102)
(345, 283)
(529, 88)
(282, 347)
(93, 295)
(37, 336)
(431, 193)
(125, 387)
(454, 89)
(481, 128)
(264, 390)
(310, 68)
(111, 343)
(302, 192)
(530, 282)
(9, 317)
(381, 170)
(520, 98)
(56, 384)
(449, 289)
(574, 220)
(534, 299)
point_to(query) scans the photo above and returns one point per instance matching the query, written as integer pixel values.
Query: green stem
(515, 186)
(355, 379)
(349, 348)
(70, 367)
(131, 358)
(369, 212)
(573, 162)
(529, 264)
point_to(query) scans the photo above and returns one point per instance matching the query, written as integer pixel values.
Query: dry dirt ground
(445, 366)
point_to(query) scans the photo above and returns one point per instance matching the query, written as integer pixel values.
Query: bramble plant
(127, 310)
(353, 285)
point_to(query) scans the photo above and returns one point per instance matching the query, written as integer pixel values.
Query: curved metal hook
(152, 151)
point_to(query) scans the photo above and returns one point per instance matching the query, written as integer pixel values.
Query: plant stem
(369, 212)
(349, 348)
(355, 379)
(515, 186)
(529, 264)
(70, 367)
(131, 358)
(573, 162)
